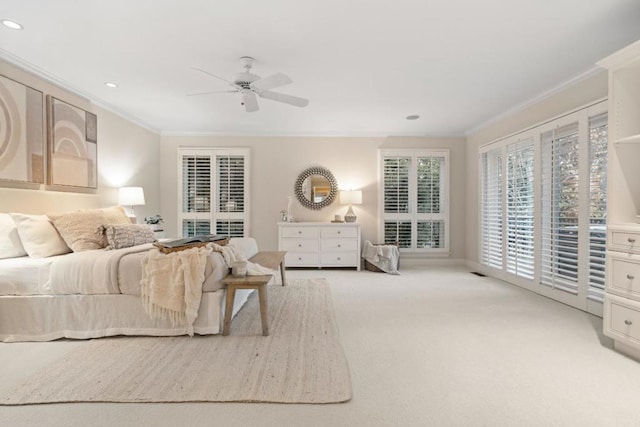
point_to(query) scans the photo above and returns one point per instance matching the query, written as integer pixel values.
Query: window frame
(584, 299)
(413, 216)
(215, 214)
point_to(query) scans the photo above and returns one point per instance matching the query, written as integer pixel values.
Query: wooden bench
(272, 260)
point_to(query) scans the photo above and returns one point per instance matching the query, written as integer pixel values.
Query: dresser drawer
(624, 240)
(338, 259)
(337, 245)
(623, 322)
(328, 232)
(306, 232)
(624, 275)
(299, 245)
(301, 259)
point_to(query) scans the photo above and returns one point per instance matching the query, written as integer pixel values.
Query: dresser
(320, 244)
(621, 319)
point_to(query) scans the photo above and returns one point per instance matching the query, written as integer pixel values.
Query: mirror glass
(316, 188)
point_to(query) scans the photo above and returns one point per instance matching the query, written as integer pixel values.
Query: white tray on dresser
(320, 244)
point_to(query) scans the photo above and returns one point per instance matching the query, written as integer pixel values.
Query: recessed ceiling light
(413, 117)
(11, 24)
(110, 84)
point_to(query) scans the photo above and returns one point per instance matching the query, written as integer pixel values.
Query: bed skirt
(50, 317)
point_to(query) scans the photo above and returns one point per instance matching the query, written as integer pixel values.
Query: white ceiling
(364, 64)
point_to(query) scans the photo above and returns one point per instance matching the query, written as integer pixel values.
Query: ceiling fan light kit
(250, 85)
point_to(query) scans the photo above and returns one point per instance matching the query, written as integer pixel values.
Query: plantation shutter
(491, 208)
(230, 206)
(213, 192)
(196, 194)
(397, 207)
(520, 213)
(430, 224)
(415, 199)
(560, 192)
(598, 137)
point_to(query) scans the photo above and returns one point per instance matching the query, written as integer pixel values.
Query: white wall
(571, 98)
(277, 161)
(127, 155)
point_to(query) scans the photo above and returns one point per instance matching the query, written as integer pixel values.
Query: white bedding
(25, 276)
(95, 272)
(31, 310)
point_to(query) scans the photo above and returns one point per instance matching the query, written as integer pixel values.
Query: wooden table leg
(262, 294)
(282, 269)
(231, 296)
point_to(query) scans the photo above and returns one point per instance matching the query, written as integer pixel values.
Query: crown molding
(592, 71)
(50, 78)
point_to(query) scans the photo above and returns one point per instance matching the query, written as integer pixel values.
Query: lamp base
(350, 216)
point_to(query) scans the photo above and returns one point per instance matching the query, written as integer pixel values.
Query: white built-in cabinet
(319, 244)
(621, 320)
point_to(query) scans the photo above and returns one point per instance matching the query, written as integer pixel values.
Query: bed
(94, 292)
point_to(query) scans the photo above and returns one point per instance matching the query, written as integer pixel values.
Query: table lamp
(350, 197)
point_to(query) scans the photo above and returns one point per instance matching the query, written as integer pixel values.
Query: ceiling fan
(249, 85)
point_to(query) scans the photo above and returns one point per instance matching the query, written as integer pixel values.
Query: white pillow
(39, 237)
(10, 244)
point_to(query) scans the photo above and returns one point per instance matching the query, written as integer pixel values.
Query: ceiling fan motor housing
(245, 79)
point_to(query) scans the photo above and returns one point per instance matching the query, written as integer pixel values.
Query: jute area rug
(302, 361)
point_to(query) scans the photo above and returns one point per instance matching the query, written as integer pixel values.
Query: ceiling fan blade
(213, 75)
(249, 100)
(287, 99)
(212, 91)
(270, 82)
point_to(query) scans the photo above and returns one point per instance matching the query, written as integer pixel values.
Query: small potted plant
(154, 222)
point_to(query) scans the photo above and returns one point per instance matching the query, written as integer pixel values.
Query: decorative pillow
(82, 230)
(125, 236)
(39, 237)
(10, 244)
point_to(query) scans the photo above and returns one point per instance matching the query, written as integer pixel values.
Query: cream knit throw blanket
(172, 285)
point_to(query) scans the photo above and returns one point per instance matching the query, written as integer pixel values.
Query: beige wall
(277, 161)
(571, 98)
(127, 155)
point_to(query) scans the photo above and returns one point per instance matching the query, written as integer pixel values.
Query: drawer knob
(299, 245)
(630, 276)
(628, 322)
(299, 258)
(631, 239)
(339, 232)
(339, 246)
(299, 231)
(338, 258)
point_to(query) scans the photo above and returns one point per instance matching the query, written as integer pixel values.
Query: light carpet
(302, 361)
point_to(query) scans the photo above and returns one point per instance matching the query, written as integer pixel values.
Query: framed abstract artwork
(21, 133)
(73, 145)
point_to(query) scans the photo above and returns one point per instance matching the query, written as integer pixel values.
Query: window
(560, 208)
(415, 199)
(213, 192)
(491, 208)
(519, 218)
(543, 208)
(597, 204)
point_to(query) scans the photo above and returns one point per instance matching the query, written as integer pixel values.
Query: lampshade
(351, 197)
(130, 196)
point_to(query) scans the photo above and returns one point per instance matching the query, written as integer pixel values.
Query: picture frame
(22, 130)
(72, 146)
